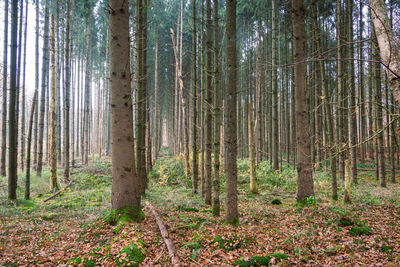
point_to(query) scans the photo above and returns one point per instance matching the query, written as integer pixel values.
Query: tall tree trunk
(45, 60)
(22, 159)
(53, 118)
(19, 72)
(195, 166)
(125, 186)
(29, 142)
(379, 114)
(230, 138)
(305, 187)
(252, 152)
(88, 80)
(36, 115)
(275, 130)
(67, 78)
(4, 105)
(12, 140)
(217, 116)
(259, 78)
(140, 95)
(363, 132)
(352, 113)
(208, 103)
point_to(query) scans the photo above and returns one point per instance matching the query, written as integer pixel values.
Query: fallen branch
(58, 192)
(164, 234)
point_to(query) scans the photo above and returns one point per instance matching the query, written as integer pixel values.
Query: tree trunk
(22, 159)
(141, 95)
(379, 114)
(388, 48)
(45, 60)
(208, 106)
(217, 116)
(352, 113)
(230, 138)
(12, 149)
(195, 164)
(36, 118)
(53, 118)
(4, 105)
(275, 130)
(305, 186)
(67, 78)
(88, 80)
(125, 187)
(253, 175)
(28, 153)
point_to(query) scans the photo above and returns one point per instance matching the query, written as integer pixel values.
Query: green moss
(306, 202)
(130, 256)
(276, 201)
(81, 262)
(49, 216)
(123, 216)
(229, 243)
(256, 261)
(360, 230)
(344, 221)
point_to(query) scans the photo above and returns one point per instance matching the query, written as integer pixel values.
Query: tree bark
(389, 49)
(217, 117)
(230, 138)
(125, 187)
(4, 104)
(53, 118)
(67, 81)
(45, 60)
(12, 149)
(140, 95)
(305, 187)
(195, 164)
(208, 106)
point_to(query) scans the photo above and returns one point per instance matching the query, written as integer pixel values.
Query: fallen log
(58, 192)
(164, 234)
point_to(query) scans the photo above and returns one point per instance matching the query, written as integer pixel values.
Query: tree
(388, 48)
(217, 115)
(275, 130)
(305, 187)
(22, 135)
(125, 189)
(208, 104)
(230, 138)
(140, 9)
(53, 118)
(45, 62)
(195, 165)
(4, 105)
(29, 142)
(88, 80)
(12, 122)
(67, 94)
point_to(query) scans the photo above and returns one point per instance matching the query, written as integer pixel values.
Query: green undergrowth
(231, 242)
(123, 216)
(257, 261)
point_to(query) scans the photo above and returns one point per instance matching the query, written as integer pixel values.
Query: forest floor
(69, 229)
